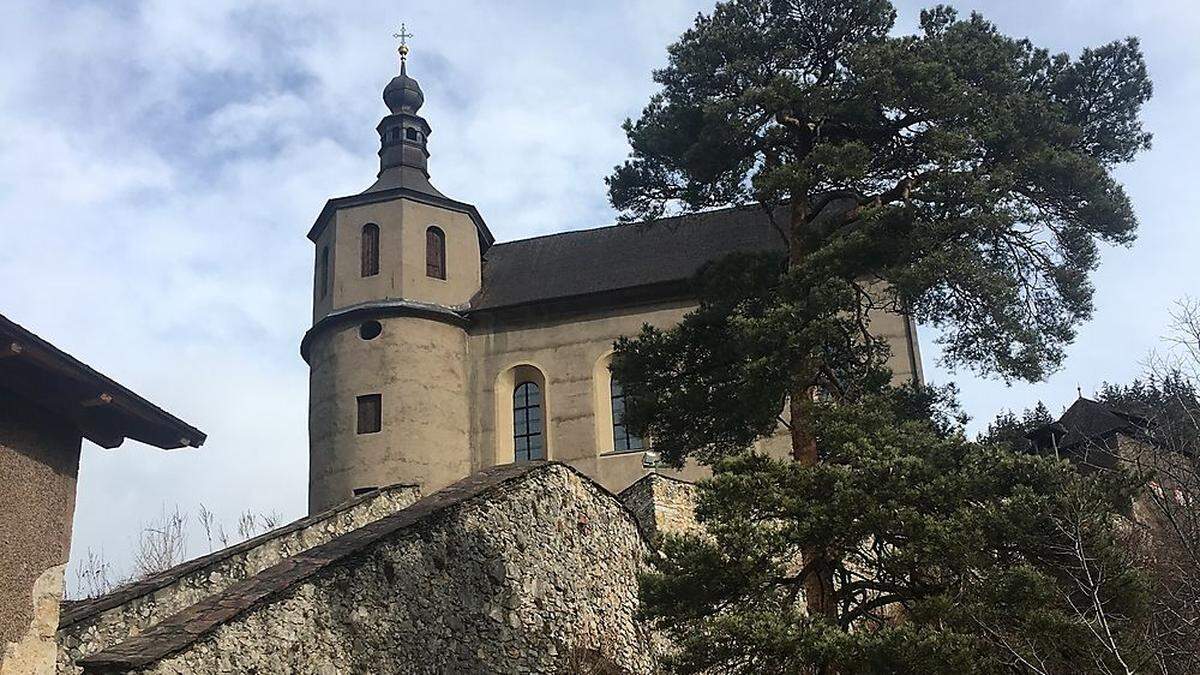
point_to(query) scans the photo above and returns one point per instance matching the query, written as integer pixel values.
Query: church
(475, 501)
(436, 351)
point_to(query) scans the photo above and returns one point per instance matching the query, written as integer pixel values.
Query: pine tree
(958, 176)
(950, 556)
(1011, 431)
(1168, 402)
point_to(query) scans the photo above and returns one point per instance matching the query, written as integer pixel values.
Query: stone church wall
(570, 354)
(90, 626)
(520, 568)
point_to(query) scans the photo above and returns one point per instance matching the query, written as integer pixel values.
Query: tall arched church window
(370, 250)
(435, 253)
(323, 273)
(623, 441)
(528, 439)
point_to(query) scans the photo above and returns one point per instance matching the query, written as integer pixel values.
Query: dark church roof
(104, 411)
(660, 253)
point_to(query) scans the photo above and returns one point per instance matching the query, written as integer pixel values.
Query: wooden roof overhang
(104, 411)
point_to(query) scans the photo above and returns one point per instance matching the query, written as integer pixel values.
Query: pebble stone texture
(39, 460)
(662, 504)
(517, 569)
(92, 625)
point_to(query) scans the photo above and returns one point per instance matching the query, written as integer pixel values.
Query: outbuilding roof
(104, 411)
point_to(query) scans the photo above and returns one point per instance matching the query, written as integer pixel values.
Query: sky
(161, 162)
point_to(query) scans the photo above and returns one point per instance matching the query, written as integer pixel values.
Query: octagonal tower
(387, 351)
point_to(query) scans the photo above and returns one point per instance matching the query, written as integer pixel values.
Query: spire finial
(403, 36)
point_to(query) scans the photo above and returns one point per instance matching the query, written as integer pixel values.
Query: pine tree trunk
(818, 585)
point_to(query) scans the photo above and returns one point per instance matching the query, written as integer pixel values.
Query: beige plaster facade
(446, 382)
(402, 224)
(571, 355)
(420, 369)
(445, 364)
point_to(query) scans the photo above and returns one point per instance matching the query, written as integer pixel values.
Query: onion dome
(403, 94)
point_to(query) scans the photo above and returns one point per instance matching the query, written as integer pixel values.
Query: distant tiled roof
(1086, 421)
(619, 257)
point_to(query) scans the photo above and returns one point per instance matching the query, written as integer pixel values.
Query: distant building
(49, 402)
(1089, 432)
(1098, 437)
(436, 352)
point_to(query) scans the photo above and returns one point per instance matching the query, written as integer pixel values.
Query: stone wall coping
(177, 632)
(648, 478)
(74, 612)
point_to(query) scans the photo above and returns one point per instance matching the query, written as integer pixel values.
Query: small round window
(370, 330)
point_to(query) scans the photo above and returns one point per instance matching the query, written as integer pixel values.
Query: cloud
(160, 164)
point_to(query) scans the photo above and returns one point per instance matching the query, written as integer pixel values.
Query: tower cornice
(379, 309)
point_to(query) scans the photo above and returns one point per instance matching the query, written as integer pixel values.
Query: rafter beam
(101, 400)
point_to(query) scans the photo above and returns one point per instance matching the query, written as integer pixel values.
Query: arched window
(370, 250)
(623, 441)
(411, 134)
(435, 253)
(528, 440)
(323, 273)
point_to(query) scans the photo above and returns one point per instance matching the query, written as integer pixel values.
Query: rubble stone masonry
(520, 568)
(90, 626)
(662, 504)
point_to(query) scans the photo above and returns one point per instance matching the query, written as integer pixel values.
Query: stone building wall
(90, 626)
(39, 462)
(662, 504)
(519, 568)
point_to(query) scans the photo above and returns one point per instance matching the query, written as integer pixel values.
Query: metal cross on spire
(403, 36)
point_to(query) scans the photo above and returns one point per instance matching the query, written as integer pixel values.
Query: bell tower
(387, 351)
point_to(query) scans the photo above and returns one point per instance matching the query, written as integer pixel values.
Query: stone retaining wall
(526, 568)
(93, 625)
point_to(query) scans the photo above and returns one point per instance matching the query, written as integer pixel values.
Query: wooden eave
(104, 411)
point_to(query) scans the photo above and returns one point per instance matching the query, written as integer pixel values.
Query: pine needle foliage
(959, 177)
